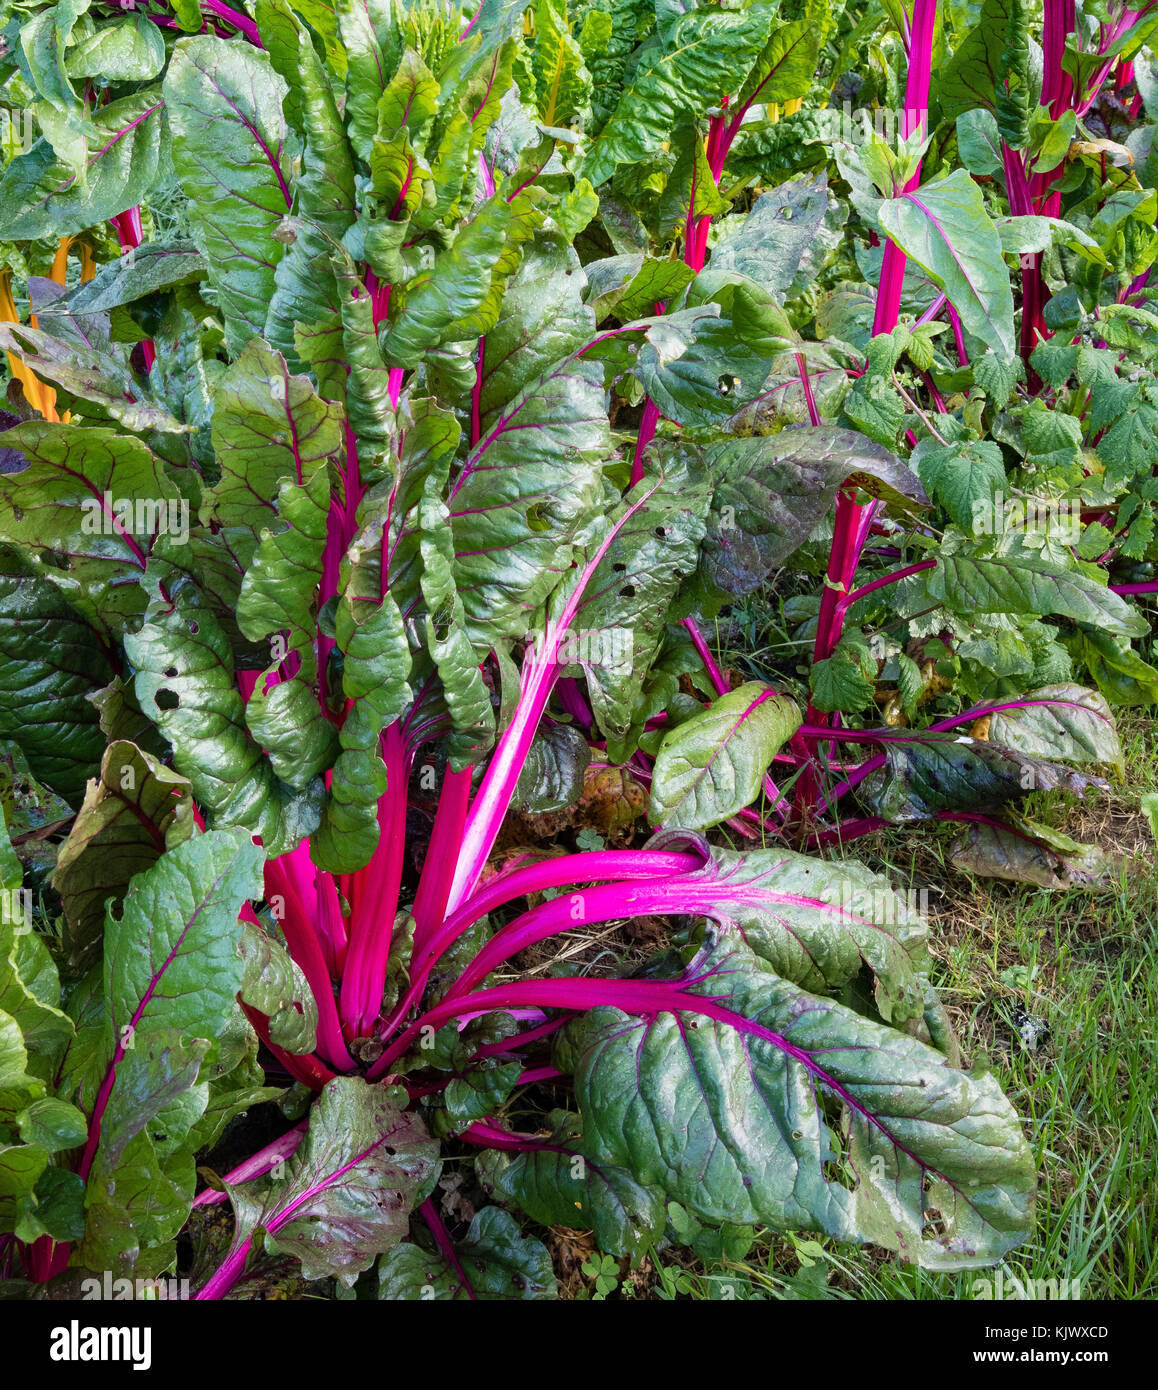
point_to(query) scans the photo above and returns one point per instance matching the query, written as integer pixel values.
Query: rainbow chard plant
(355, 568)
(683, 113)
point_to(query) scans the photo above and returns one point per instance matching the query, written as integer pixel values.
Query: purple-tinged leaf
(348, 1190)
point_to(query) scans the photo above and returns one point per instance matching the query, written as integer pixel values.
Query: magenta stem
(239, 21)
(705, 654)
(257, 1165)
(375, 904)
(442, 1239)
(541, 671)
(647, 428)
(438, 866)
(849, 599)
(569, 870)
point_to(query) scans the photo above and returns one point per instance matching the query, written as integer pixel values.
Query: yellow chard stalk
(39, 396)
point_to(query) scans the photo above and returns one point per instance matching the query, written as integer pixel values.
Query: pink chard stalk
(853, 520)
(1031, 192)
(339, 929)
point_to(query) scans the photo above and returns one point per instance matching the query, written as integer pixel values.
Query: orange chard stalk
(59, 271)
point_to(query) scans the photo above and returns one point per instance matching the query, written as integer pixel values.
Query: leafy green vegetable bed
(403, 399)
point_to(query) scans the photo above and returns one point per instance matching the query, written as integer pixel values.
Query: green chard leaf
(930, 772)
(943, 226)
(135, 811)
(51, 660)
(171, 976)
(232, 151)
(41, 195)
(621, 619)
(712, 765)
(720, 1111)
(690, 69)
(557, 1183)
(184, 680)
(97, 496)
(526, 489)
(496, 1259)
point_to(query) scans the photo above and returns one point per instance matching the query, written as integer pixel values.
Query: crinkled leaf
(97, 496)
(230, 151)
(719, 1107)
(1059, 721)
(620, 621)
(366, 388)
(171, 974)
(814, 923)
(543, 319)
(129, 50)
(273, 983)
(699, 61)
(324, 189)
(153, 266)
(1019, 853)
(963, 477)
(30, 994)
(372, 48)
(498, 1261)
(267, 425)
(770, 492)
(562, 83)
(770, 243)
(184, 679)
(997, 376)
(51, 660)
(451, 301)
(349, 1188)
(447, 639)
(552, 775)
(1024, 583)
(524, 492)
(558, 1184)
(40, 195)
(279, 595)
(375, 675)
(131, 814)
(89, 375)
(838, 683)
